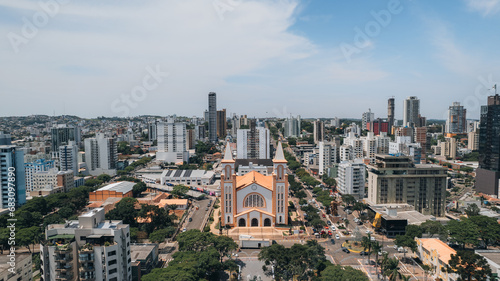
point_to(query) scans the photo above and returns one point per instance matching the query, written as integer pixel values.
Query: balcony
(64, 276)
(63, 258)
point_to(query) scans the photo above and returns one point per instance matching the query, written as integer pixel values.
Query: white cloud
(485, 7)
(90, 53)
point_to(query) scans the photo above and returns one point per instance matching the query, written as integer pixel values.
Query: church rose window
(254, 200)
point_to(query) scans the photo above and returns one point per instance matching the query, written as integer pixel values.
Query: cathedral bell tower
(280, 188)
(227, 186)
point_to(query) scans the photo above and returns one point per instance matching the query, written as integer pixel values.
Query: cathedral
(254, 199)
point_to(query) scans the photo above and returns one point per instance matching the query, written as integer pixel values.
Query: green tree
(28, 236)
(155, 217)
(406, 241)
(377, 247)
(391, 269)
(463, 232)
(472, 210)
(469, 266)
(342, 273)
(104, 177)
(224, 245)
(488, 228)
(125, 211)
(159, 236)
(413, 231)
(433, 228)
(180, 190)
(65, 212)
(139, 188)
(300, 194)
(348, 199)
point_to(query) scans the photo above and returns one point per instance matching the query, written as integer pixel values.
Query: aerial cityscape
(249, 140)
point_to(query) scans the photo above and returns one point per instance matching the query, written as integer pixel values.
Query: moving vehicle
(363, 253)
(190, 219)
(337, 236)
(344, 249)
(333, 241)
(329, 222)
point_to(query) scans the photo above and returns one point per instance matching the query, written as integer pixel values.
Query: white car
(337, 236)
(333, 228)
(368, 231)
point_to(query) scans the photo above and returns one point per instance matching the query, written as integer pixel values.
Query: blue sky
(263, 58)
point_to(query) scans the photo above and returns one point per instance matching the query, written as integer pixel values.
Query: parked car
(401, 250)
(333, 241)
(190, 219)
(184, 229)
(332, 227)
(373, 238)
(368, 231)
(337, 236)
(363, 253)
(344, 249)
(329, 222)
(382, 253)
(324, 215)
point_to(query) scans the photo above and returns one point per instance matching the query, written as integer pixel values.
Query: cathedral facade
(254, 199)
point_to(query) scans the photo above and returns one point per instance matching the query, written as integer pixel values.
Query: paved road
(198, 216)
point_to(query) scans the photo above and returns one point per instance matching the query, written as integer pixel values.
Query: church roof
(279, 157)
(228, 155)
(254, 177)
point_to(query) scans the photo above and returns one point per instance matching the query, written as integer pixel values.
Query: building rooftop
(254, 177)
(491, 255)
(140, 252)
(121, 186)
(401, 211)
(439, 246)
(187, 173)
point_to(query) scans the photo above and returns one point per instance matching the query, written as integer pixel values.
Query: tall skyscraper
(411, 112)
(390, 113)
(457, 121)
(351, 178)
(292, 127)
(212, 117)
(221, 123)
(68, 157)
(367, 118)
(12, 176)
(101, 156)
(253, 143)
(488, 173)
(172, 142)
(61, 134)
(318, 131)
(5, 139)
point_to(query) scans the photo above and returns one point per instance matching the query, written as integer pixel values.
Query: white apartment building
(370, 146)
(351, 178)
(90, 248)
(404, 146)
(172, 142)
(52, 179)
(292, 127)
(327, 156)
(101, 155)
(366, 118)
(473, 140)
(68, 157)
(345, 153)
(253, 143)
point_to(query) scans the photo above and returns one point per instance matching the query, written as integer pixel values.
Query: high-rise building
(420, 136)
(61, 135)
(397, 180)
(52, 179)
(253, 143)
(191, 138)
(335, 122)
(5, 139)
(90, 248)
(488, 173)
(221, 123)
(172, 142)
(101, 156)
(68, 157)
(473, 140)
(212, 117)
(449, 148)
(351, 178)
(12, 181)
(411, 112)
(318, 131)
(457, 121)
(327, 156)
(390, 114)
(378, 126)
(31, 168)
(152, 130)
(292, 127)
(366, 118)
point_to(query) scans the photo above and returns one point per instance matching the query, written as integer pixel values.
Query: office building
(378, 126)
(292, 127)
(61, 134)
(172, 142)
(318, 131)
(390, 114)
(397, 180)
(488, 173)
(5, 139)
(420, 136)
(90, 248)
(366, 118)
(30, 168)
(253, 143)
(351, 178)
(12, 176)
(68, 157)
(473, 140)
(456, 123)
(145, 256)
(411, 112)
(101, 156)
(212, 117)
(52, 179)
(221, 124)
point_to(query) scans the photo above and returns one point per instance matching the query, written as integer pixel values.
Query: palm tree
(377, 247)
(427, 269)
(366, 243)
(383, 263)
(405, 278)
(391, 269)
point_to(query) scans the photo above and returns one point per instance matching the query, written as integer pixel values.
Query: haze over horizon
(262, 58)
